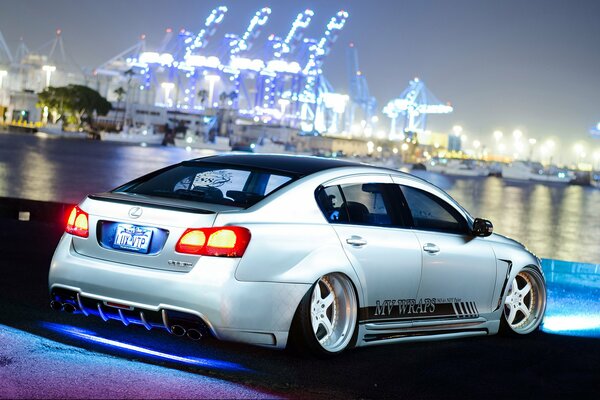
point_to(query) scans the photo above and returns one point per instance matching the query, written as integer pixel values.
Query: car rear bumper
(251, 312)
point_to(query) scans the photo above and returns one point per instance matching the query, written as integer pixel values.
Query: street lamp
(49, 69)
(597, 159)
(212, 79)
(532, 143)
(498, 135)
(283, 103)
(457, 129)
(3, 73)
(580, 151)
(167, 86)
(404, 147)
(517, 134)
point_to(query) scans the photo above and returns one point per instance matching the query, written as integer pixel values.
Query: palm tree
(202, 95)
(129, 74)
(222, 97)
(120, 93)
(233, 96)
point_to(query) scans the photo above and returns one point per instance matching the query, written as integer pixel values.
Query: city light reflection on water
(557, 222)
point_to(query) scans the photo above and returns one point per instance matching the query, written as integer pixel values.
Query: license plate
(133, 238)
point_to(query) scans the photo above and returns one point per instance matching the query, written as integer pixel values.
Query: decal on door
(407, 309)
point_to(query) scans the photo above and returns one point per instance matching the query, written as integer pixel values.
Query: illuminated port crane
(280, 76)
(415, 102)
(6, 57)
(314, 84)
(285, 84)
(360, 98)
(210, 26)
(238, 44)
(237, 65)
(283, 47)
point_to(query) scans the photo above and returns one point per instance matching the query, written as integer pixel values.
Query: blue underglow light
(92, 337)
(573, 306)
(571, 323)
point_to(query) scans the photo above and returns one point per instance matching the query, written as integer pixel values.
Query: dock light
(517, 134)
(283, 103)
(49, 69)
(370, 146)
(212, 79)
(167, 86)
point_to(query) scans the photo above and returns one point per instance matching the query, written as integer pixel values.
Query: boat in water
(202, 142)
(458, 167)
(56, 131)
(141, 135)
(467, 168)
(524, 171)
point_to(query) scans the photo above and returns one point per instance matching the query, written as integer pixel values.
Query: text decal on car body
(420, 308)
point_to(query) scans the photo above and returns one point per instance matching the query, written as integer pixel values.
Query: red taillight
(77, 224)
(228, 241)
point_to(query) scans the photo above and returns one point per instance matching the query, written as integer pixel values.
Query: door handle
(431, 248)
(356, 241)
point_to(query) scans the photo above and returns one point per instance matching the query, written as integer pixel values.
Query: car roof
(289, 164)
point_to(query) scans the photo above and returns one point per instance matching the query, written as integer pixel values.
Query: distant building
(454, 143)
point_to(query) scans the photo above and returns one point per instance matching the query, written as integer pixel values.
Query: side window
(430, 213)
(332, 204)
(365, 204)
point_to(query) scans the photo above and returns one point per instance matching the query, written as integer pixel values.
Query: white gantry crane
(413, 105)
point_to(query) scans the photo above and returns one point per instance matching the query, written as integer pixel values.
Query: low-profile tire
(525, 303)
(325, 323)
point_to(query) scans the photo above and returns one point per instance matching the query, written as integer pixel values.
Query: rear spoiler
(153, 202)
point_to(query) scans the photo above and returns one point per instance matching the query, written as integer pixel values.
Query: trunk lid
(142, 231)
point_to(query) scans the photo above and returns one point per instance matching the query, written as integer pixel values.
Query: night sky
(532, 65)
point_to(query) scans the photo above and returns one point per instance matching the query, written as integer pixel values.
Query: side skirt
(390, 332)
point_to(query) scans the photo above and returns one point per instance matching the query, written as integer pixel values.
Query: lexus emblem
(135, 212)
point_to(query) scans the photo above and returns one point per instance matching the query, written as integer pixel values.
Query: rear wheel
(325, 323)
(525, 302)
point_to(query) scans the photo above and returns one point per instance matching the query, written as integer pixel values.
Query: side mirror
(482, 227)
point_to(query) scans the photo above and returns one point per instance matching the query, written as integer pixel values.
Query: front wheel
(325, 322)
(525, 302)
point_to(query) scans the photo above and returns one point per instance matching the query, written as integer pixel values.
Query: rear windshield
(239, 187)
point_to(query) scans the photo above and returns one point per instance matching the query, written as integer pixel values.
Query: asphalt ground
(45, 354)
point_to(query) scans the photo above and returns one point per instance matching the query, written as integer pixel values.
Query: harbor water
(554, 221)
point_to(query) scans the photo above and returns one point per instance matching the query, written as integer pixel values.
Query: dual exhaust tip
(176, 330)
(66, 307)
(192, 333)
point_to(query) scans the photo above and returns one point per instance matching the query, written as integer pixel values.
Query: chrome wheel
(525, 302)
(333, 312)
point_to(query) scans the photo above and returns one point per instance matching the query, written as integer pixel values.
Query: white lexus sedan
(278, 250)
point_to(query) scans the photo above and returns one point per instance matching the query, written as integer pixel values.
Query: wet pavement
(58, 355)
